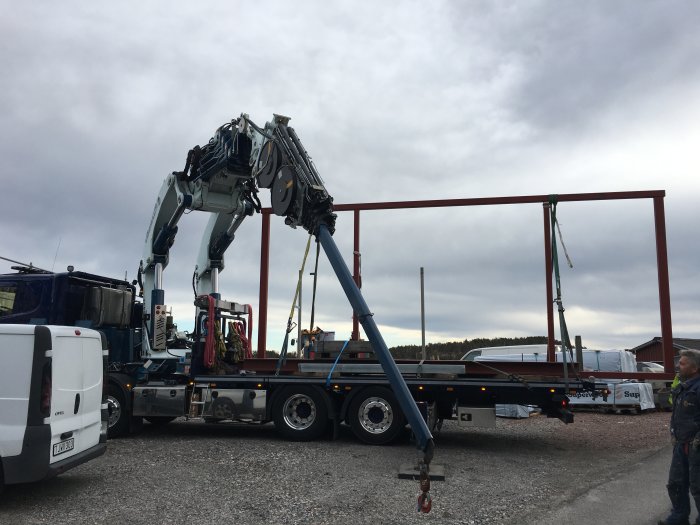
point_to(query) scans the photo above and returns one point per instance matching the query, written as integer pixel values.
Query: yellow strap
(301, 274)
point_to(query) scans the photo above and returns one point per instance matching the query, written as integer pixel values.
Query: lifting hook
(425, 501)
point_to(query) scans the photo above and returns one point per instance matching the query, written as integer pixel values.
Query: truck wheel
(375, 416)
(300, 413)
(223, 408)
(118, 423)
(159, 420)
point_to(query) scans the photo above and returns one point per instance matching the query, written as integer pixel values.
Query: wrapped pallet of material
(623, 396)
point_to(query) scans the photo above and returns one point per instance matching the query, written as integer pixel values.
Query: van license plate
(63, 446)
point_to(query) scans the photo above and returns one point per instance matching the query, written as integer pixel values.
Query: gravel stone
(191, 472)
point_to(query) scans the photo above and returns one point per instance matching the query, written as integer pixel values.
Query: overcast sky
(394, 101)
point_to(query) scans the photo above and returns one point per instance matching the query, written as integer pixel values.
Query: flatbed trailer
(309, 399)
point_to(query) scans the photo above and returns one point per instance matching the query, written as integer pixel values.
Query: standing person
(684, 474)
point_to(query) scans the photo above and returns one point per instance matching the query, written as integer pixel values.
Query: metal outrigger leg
(420, 428)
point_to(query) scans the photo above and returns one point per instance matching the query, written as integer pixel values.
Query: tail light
(46, 390)
(105, 379)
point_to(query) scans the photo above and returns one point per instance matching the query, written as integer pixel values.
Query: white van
(593, 360)
(53, 411)
(515, 350)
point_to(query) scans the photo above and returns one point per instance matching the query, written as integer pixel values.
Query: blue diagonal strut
(408, 405)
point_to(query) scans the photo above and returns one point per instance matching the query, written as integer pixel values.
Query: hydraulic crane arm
(223, 177)
(217, 179)
(218, 236)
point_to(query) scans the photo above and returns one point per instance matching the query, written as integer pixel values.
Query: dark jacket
(685, 421)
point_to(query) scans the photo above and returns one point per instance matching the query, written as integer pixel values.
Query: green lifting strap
(565, 340)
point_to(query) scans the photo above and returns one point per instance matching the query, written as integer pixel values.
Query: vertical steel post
(579, 354)
(264, 280)
(424, 438)
(551, 358)
(664, 293)
(422, 313)
(356, 271)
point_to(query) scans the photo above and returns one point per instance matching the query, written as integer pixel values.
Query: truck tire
(223, 408)
(300, 413)
(118, 422)
(159, 420)
(375, 416)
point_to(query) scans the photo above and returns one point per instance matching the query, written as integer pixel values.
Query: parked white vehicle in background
(646, 366)
(53, 412)
(538, 351)
(661, 388)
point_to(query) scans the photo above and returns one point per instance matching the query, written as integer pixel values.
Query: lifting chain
(425, 501)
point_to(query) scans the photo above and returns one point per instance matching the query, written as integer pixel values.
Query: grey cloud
(419, 101)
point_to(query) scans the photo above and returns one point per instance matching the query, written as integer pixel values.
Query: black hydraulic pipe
(423, 436)
(296, 157)
(309, 163)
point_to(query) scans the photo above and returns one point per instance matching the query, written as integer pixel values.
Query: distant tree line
(456, 349)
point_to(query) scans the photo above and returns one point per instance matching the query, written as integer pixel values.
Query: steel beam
(491, 201)
(548, 281)
(264, 280)
(356, 270)
(664, 294)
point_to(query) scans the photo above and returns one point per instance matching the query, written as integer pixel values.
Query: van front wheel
(159, 420)
(118, 422)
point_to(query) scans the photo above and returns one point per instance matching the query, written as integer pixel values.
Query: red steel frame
(657, 197)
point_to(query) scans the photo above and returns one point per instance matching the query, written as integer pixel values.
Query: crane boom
(223, 178)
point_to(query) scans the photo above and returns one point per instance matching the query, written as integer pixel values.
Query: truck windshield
(19, 298)
(7, 298)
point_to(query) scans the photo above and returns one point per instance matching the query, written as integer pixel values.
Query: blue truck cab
(37, 297)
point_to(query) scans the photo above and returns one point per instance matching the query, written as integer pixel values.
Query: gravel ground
(189, 472)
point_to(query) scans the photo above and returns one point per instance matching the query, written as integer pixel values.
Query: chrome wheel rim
(114, 409)
(375, 415)
(299, 411)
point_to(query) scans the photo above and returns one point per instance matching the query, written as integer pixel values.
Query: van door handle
(77, 404)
